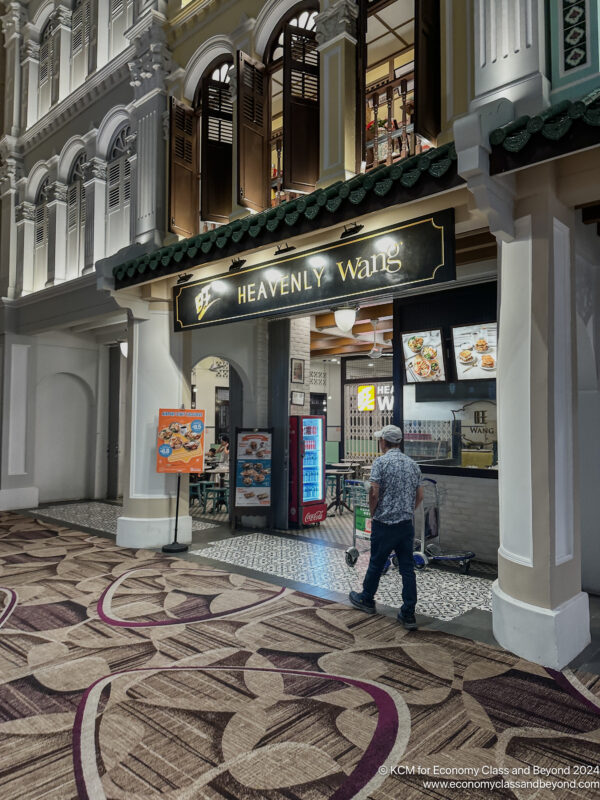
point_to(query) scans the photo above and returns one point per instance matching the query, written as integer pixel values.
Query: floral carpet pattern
(125, 674)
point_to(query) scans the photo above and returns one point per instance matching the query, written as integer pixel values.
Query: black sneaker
(357, 601)
(408, 620)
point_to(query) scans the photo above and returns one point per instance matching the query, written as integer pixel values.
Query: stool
(219, 497)
(195, 493)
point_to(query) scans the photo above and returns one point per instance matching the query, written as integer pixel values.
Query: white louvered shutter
(44, 92)
(75, 229)
(40, 239)
(118, 204)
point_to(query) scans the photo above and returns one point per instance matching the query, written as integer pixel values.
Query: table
(338, 502)
(218, 473)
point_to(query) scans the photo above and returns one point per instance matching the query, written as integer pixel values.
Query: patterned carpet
(125, 674)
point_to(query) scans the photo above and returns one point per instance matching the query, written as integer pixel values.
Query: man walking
(394, 495)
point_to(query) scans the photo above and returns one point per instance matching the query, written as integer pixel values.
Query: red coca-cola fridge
(307, 470)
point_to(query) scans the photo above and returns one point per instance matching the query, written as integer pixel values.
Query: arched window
(76, 219)
(216, 148)
(49, 70)
(293, 67)
(84, 26)
(40, 237)
(278, 114)
(121, 18)
(118, 193)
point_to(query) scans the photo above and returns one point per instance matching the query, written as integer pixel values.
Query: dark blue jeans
(384, 540)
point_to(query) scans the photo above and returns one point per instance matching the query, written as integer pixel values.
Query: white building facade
(86, 155)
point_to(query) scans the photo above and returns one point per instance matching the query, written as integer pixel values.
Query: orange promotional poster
(180, 440)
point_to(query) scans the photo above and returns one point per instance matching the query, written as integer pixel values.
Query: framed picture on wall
(475, 351)
(297, 398)
(424, 360)
(297, 370)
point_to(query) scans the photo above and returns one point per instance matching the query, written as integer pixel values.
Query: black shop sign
(408, 255)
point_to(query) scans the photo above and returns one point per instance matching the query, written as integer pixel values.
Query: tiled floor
(442, 595)
(98, 516)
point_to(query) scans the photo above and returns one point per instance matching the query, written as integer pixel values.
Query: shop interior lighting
(237, 264)
(184, 278)
(376, 350)
(124, 348)
(284, 248)
(351, 230)
(345, 318)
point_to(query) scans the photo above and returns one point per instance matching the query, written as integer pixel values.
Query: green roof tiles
(345, 199)
(552, 124)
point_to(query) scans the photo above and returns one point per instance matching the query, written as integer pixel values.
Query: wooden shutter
(300, 110)
(55, 66)
(252, 133)
(91, 34)
(183, 170)
(361, 84)
(216, 150)
(427, 69)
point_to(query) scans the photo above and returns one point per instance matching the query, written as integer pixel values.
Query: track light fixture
(184, 278)
(284, 248)
(237, 264)
(351, 230)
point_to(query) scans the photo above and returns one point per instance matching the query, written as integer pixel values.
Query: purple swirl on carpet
(365, 774)
(104, 604)
(9, 607)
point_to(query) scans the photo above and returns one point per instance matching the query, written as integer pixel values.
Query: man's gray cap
(391, 433)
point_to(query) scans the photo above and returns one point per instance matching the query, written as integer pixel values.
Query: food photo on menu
(423, 356)
(475, 351)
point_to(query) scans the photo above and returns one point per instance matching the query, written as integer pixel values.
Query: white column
(336, 35)
(9, 175)
(102, 56)
(510, 54)
(25, 223)
(57, 233)
(13, 23)
(30, 66)
(15, 429)
(94, 185)
(62, 41)
(539, 610)
(155, 380)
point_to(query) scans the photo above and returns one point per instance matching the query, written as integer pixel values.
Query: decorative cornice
(152, 63)
(96, 86)
(339, 19)
(61, 17)
(30, 51)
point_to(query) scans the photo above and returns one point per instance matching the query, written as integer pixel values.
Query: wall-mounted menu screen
(475, 351)
(424, 356)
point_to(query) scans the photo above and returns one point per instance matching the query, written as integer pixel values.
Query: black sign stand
(175, 546)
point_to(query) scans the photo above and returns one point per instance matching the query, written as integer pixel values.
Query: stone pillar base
(152, 532)
(551, 637)
(11, 499)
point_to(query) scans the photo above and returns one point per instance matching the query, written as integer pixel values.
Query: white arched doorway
(63, 436)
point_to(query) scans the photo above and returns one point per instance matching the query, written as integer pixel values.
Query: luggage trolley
(429, 546)
(361, 528)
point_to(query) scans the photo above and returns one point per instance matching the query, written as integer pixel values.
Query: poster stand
(175, 546)
(261, 507)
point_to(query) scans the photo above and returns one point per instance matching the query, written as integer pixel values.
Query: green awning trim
(553, 123)
(292, 217)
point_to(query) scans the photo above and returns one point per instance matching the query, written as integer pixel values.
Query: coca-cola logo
(314, 516)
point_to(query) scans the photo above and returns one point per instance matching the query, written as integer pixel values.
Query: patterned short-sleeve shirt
(398, 477)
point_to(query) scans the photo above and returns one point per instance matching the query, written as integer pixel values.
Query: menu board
(253, 469)
(180, 445)
(475, 351)
(424, 356)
